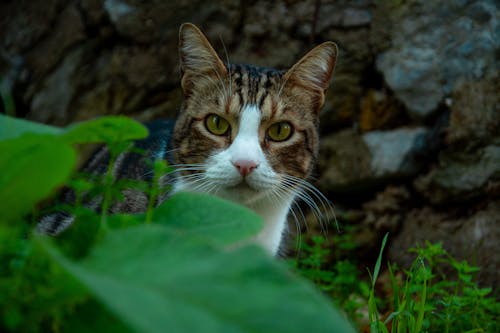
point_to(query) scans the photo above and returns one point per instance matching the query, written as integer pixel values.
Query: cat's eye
(217, 125)
(280, 131)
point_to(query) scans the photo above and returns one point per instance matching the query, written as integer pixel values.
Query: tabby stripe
(262, 99)
(307, 142)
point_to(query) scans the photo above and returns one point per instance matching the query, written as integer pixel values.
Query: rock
(118, 10)
(436, 44)
(68, 31)
(474, 113)
(51, 102)
(19, 29)
(392, 199)
(466, 237)
(350, 162)
(413, 74)
(344, 15)
(158, 21)
(383, 214)
(394, 153)
(262, 43)
(379, 111)
(461, 176)
(344, 162)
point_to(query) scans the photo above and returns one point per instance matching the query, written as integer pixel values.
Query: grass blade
(379, 260)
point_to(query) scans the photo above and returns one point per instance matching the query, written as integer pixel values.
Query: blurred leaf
(31, 167)
(92, 316)
(76, 242)
(11, 128)
(209, 217)
(107, 129)
(156, 278)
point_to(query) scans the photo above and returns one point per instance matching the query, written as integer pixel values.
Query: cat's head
(247, 133)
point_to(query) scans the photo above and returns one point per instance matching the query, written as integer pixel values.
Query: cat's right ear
(198, 59)
(312, 74)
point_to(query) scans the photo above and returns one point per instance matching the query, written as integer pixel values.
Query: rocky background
(411, 140)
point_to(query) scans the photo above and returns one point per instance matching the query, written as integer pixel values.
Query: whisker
(313, 198)
(327, 205)
(279, 193)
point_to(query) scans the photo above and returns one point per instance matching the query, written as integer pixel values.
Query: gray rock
(434, 45)
(413, 74)
(462, 175)
(393, 151)
(344, 161)
(350, 162)
(117, 9)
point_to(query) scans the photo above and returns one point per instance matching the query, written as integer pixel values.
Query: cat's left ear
(198, 59)
(313, 72)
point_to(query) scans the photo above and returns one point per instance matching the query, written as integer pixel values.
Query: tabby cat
(244, 133)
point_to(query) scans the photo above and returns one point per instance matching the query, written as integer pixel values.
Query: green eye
(280, 131)
(217, 125)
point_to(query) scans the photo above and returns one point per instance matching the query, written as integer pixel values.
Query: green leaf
(31, 167)
(208, 217)
(11, 128)
(107, 129)
(155, 278)
(92, 316)
(76, 241)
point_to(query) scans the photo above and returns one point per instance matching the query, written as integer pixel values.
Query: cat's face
(247, 133)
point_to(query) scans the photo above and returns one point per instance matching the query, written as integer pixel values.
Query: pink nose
(245, 166)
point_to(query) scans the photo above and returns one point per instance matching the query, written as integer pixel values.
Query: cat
(244, 133)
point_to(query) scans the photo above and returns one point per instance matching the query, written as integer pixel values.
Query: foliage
(437, 293)
(322, 263)
(190, 268)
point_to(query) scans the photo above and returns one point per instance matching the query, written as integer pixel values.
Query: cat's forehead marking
(246, 144)
(250, 120)
(252, 83)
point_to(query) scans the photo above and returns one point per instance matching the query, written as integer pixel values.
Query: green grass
(437, 293)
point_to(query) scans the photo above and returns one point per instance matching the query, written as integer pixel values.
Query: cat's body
(244, 133)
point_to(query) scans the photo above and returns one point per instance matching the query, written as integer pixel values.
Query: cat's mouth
(244, 193)
(243, 186)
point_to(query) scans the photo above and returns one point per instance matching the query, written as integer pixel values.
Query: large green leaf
(11, 128)
(107, 129)
(177, 277)
(208, 217)
(31, 167)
